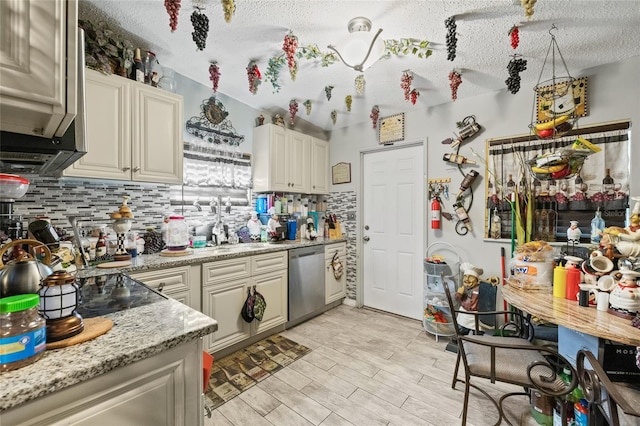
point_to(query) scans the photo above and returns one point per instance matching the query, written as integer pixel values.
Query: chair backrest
(602, 393)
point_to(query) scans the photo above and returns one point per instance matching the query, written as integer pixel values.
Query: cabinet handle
(136, 169)
(124, 169)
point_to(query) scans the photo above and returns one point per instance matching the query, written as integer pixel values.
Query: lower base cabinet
(335, 283)
(165, 389)
(225, 286)
(180, 283)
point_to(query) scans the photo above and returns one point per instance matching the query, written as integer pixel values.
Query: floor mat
(235, 373)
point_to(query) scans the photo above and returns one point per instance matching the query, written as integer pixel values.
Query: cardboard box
(618, 360)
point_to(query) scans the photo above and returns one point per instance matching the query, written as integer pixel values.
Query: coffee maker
(12, 187)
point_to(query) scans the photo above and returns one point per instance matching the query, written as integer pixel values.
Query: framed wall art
(341, 173)
(565, 97)
(391, 129)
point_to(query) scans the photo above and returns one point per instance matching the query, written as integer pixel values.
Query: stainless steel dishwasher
(306, 283)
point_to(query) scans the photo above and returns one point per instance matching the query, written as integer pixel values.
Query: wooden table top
(587, 320)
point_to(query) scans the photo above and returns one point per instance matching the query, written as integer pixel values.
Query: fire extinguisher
(435, 213)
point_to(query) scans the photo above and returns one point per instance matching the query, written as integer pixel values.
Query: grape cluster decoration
(200, 24)
(172, 7)
(347, 100)
(334, 116)
(253, 74)
(514, 34)
(452, 39)
(307, 105)
(293, 110)
(360, 82)
(528, 7)
(229, 7)
(289, 47)
(375, 113)
(414, 96)
(515, 67)
(455, 80)
(327, 91)
(214, 75)
(405, 84)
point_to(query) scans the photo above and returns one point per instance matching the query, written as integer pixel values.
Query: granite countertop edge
(138, 333)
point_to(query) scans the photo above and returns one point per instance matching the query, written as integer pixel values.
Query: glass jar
(177, 233)
(167, 81)
(21, 327)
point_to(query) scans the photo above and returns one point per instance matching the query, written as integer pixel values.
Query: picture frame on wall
(391, 129)
(341, 173)
(551, 99)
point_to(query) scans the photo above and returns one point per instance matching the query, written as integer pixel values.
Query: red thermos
(573, 281)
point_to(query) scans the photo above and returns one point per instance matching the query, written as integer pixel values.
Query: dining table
(567, 313)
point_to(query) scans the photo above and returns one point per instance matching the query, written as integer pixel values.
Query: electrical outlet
(351, 215)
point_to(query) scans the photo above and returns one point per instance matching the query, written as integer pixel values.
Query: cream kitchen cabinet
(134, 132)
(165, 389)
(180, 283)
(281, 160)
(335, 287)
(225, 287)
(319, 167)
(38, 66)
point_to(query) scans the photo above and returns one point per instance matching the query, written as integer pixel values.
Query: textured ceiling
(589, 33)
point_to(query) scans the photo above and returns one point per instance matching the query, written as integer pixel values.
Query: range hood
(28, 154)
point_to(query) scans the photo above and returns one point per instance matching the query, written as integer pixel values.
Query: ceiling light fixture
(357, 43)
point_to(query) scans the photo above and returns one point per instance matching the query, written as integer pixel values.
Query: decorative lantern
(58, 303)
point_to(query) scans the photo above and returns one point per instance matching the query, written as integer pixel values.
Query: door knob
(365, 238)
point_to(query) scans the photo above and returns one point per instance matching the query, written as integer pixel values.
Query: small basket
(562, 164)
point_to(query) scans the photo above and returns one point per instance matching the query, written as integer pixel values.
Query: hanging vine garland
(272, 74)
(327, 91)
(253, 74)
(307, 105)
(375, 114)
(455, 80)
(293, 110)
(360, 82)
(347, 100)
(289, 47)
(405, 84)
(414, 96)
(214, 75)
(229, 7)
(334, 116)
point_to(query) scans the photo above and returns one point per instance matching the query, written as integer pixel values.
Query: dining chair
(603, 395)
(505, 356)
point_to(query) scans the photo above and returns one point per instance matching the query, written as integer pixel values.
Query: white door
(393, 230)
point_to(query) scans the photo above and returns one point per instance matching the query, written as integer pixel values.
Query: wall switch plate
(351, 215)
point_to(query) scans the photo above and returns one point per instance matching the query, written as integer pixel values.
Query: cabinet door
(157, 135)
(319, 166)
(297, 161)
(335, 289)
(182, 283)
(33, 66)
(108, 122)
(273, 287)
(223, 303)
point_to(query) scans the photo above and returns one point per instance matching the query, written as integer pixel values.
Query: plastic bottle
(568, 402)
(23, 336)
(597, 226)
(581, 412)
(573, 281)
(560, 281)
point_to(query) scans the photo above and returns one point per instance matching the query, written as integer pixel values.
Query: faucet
(217, 233)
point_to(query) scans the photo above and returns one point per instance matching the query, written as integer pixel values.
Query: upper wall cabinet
(134, 132)
(38, 66)
(285, 161)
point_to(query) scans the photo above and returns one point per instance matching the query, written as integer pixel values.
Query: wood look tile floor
(365, 368)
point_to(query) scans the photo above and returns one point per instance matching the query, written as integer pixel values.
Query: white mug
(601, 264)
(602, 299)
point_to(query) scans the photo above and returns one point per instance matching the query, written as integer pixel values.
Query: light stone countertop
(156, 261)
(137, 333)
